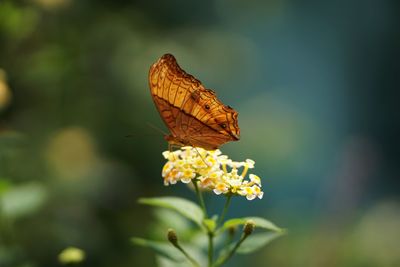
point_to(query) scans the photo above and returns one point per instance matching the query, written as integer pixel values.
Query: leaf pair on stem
(219, 234)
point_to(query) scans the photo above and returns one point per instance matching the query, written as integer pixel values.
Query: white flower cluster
(212, 170)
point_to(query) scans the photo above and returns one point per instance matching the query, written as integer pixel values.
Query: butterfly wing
(192, 113)
(171, 90)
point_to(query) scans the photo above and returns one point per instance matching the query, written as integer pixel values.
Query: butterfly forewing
(193, 114)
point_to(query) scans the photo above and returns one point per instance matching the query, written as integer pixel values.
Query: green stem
(227, 203)
(193, 261)
(231, 235)
(200, 197)
(210, 249)
(210, 233)
(222, 260)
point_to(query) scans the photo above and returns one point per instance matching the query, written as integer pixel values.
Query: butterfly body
(193, 114)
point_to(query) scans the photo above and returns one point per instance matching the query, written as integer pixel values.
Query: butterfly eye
(223, 125)
(207, 106)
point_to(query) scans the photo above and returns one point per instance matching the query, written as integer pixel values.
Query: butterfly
(193, 114)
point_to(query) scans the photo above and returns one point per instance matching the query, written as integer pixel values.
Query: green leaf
(165, 262)
(260, 223)
(168, 255)
(210, 224)
(161, 248)
(165, 219)
(257, 241)
(4, 185)
(22, 200)
(184, 207)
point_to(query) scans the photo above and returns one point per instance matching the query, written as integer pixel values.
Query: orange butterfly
(193, 114)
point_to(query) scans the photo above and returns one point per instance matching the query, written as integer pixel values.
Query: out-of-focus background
(316, 85)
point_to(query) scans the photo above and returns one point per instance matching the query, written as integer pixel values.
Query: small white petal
(235, 164)
(255, 179)
(186, 180)
(250, 163)
(250, 197)
(216, 191)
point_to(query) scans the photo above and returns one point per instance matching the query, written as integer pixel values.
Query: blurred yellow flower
(71, 153)
(5, 92)
(53, 4)
(71, 255)
(213, 170)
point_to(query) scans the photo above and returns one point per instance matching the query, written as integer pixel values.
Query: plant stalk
(193, 261)
(222, 260)
(226, 206)
(200, 197)
(210, 249)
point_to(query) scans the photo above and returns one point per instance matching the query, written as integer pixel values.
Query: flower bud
(172, 237)
(249, 227)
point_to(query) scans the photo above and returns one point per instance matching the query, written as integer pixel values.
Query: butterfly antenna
(152, 126)
(201, 156)
(156, 128)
